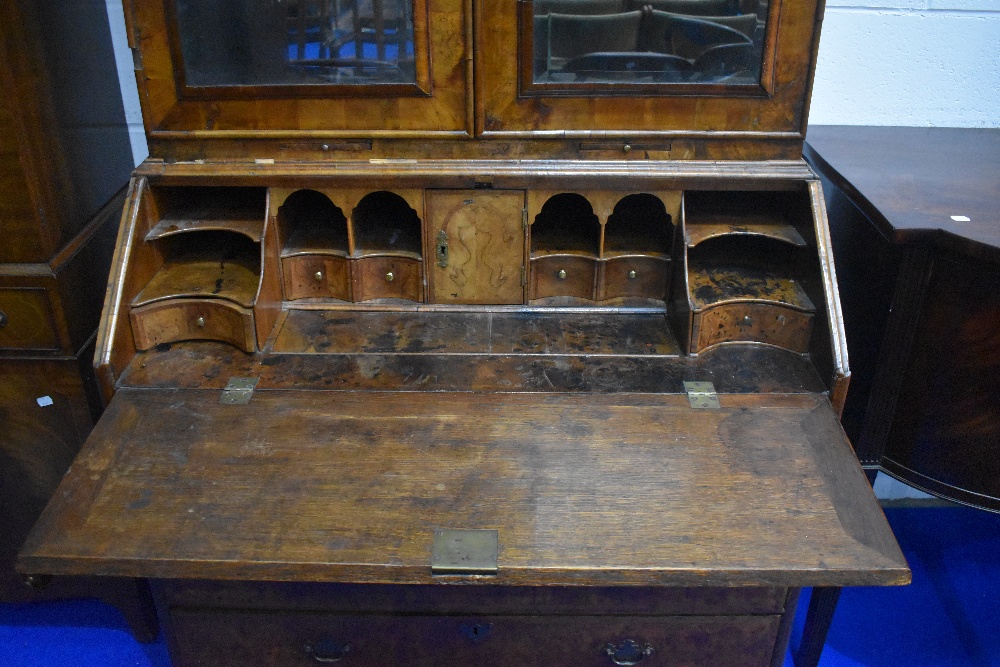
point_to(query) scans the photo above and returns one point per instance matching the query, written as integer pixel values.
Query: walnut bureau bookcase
(466, 332)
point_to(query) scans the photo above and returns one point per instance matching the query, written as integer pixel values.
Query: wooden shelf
(199, 208)
(708, 227)
(710, 284)
(317, 241)
(204, 274)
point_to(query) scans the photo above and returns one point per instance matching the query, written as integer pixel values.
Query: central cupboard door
(477, 237)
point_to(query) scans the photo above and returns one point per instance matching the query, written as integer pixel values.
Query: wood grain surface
(584, 489)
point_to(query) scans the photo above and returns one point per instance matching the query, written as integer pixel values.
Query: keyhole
(476, 631)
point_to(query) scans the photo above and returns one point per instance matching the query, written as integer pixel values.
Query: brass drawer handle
(3, 319)
(629, 652)
(561, 275)
(389, 277)
(327, 650)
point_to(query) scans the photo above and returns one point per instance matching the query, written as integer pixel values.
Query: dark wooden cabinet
(65, 158)
(917, 253)
(432, 341)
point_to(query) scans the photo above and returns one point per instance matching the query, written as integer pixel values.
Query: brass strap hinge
(238, 391)
(702, 395)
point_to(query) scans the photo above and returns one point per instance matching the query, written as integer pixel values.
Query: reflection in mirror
(654, 41)
(292, 42)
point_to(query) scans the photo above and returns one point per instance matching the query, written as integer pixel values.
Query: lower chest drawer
(224, 638)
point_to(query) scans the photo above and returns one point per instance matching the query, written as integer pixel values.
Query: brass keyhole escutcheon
(441, 249)
(318, 276)
(632, 275)
(200, 322)
(389, 277)
(562, 274)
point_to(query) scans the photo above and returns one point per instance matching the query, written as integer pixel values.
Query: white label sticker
(44, 401)
(961, 218)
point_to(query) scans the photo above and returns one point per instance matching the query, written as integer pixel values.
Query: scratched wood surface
(583, 489)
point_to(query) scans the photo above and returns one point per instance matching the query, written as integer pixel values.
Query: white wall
(126, 76)
(909, 62)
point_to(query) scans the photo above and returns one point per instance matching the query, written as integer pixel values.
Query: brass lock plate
(465, 551)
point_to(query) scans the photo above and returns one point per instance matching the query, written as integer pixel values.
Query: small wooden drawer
(226, 639)
(563, 275)
(26, 319)
(644, 277)
(193, 319)
(752, 322)
(384, 277)
(316, 276)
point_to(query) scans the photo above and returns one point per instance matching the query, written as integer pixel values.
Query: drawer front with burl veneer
(316, 276)
(563, 275)
(643, 277)
(193, 319)
(387, 278)
(753, 322)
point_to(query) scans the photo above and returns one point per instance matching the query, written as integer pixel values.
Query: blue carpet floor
(948, 617)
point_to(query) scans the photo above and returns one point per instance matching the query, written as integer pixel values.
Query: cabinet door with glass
(600, 68)
(295, 66)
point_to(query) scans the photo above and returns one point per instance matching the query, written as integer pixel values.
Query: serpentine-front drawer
(753, 322)
(26, 320)
(242, 638)
(192, 319)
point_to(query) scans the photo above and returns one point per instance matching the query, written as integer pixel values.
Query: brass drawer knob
(318, 276)
(200, 322)
(389, 277)
(3, 319)
(562, 274)
(628, 652)
(632, 275)
(747, 321)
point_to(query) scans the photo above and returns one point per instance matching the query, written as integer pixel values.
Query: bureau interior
(534, 272)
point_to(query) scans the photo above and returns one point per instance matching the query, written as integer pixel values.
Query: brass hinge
(464, 551)
(238, 391)
(137, 59)
(524, 218)
(702, 395)
(524, 276)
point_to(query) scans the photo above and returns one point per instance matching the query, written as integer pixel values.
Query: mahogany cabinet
(446, 331)
(919, 278)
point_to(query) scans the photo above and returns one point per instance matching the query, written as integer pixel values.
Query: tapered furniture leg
(822, 604)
